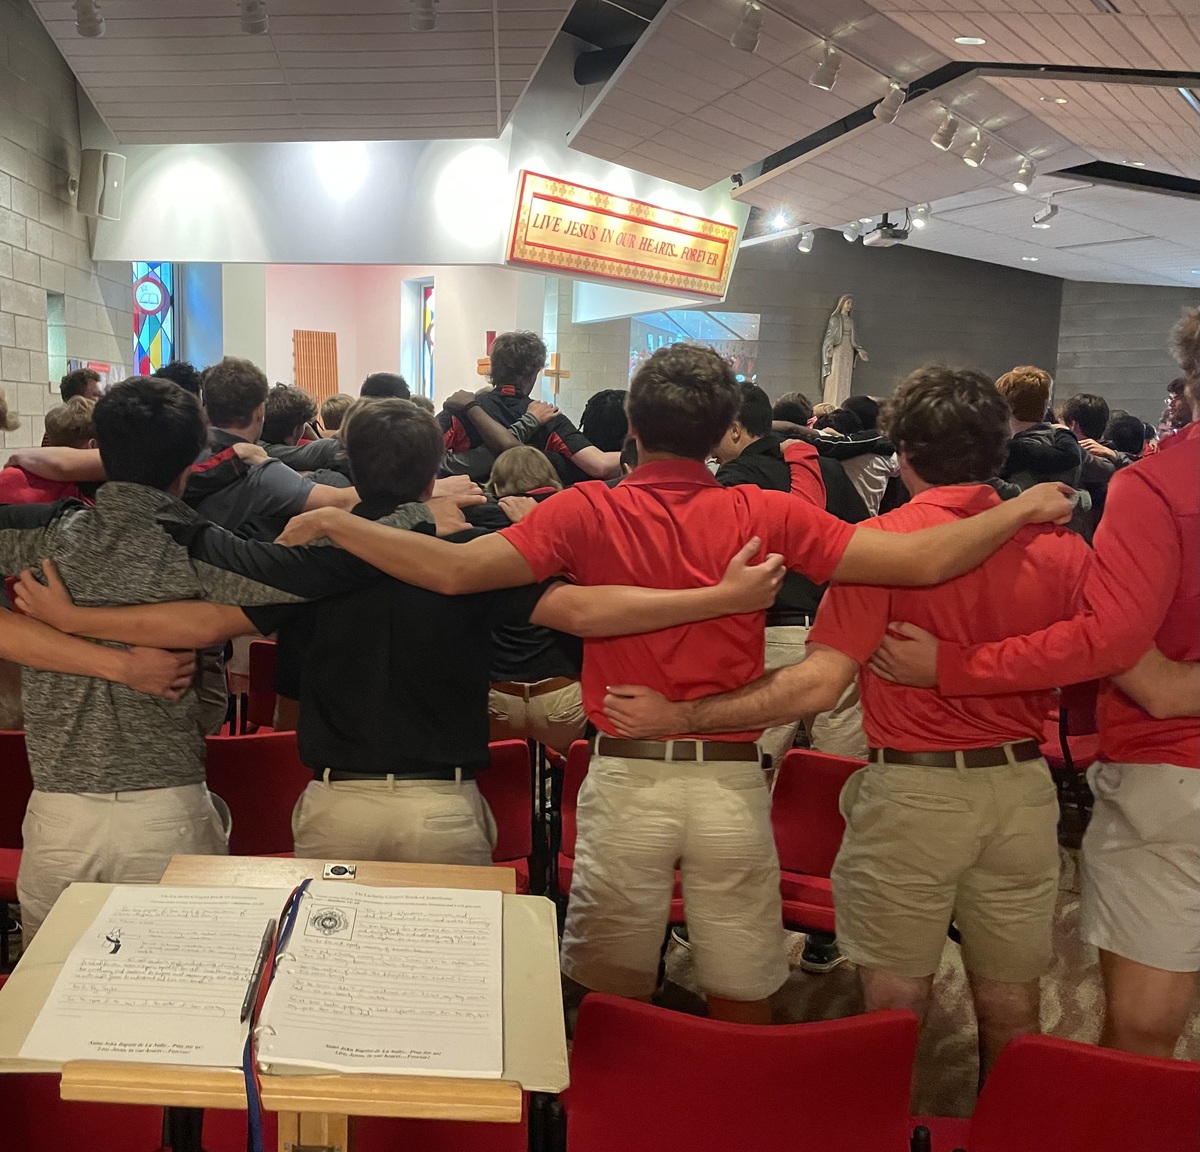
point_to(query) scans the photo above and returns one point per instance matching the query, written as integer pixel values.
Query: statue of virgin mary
(838, 353)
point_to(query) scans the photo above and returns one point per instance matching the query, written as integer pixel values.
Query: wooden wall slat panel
(314, 362)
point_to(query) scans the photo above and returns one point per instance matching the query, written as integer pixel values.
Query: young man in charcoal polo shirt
(956, 814)
(647, 805)
(392, 679)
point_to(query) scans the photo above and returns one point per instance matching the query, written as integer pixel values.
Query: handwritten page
(399, 980)
(159, 977)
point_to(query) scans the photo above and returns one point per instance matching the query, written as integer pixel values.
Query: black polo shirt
(392, 678)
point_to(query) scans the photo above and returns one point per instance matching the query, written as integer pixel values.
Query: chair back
(804, 810)
(260, 777)
(645, 1079)
(1050, 1093)
(15, 786)
(260, 701)
(507, 786)
(1077, 709)
(578, 756)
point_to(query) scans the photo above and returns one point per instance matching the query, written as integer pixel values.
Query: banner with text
(576, 229)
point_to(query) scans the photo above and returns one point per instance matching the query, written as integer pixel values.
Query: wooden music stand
(316, 1112)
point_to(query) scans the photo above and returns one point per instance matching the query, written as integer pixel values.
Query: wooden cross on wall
(555, 372)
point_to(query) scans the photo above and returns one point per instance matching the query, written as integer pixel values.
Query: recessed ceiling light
(1030, 259)
(1136, 163)
(973, 41)
(1053, 99)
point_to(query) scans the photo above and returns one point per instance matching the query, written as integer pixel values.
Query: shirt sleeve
(270, 618)
(1129, 587)
(280, 492)
(805, 468)
(554, 535)
(212, 475)
(852, 619)
(564, 439)
(23, 534)
(809, 539)
(515, 605)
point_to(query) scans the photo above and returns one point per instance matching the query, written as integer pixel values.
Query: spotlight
(779, 222)
(970, 41)
(88, 21)
(805, 243)
(943, 138)
(976, 152)
(423, 17)
(851, 231)
(254, 17)
(745, 37)
(889, 107)
(1043, 216)
(827, 71)
(1025, 175)
(920, 216)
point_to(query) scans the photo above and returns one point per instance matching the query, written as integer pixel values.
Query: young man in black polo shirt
(517, 360)
(393, 680)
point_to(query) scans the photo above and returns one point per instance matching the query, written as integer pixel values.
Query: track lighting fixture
(1043, 216)
(827, 71)
(805, 243)
(423, 17)
(851, 231)
(745, 37)
(889, 107)
(943, 138)
(88, 21)
(919, 216)
(976, 152)
(1025, 175)
(254, 17)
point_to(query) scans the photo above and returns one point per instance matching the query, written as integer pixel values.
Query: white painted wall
(244, 311)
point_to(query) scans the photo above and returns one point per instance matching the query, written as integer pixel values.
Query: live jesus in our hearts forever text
(548, 222)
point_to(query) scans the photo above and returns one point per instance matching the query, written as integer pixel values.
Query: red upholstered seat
(507, 786)
(260, 777)
(946, 1133)
(10, 861)
(645, 1079)
(15, 786)
(808, 830)
(1047, 1093)
(260, 701)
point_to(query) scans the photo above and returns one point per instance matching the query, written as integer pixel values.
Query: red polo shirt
(1033, 580)
(805, 465)
(20, 487)
(671, 525)
(1143, 591)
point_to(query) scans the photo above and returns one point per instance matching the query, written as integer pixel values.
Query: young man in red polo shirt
(1140, 862)
(956, 815)
(647, 805)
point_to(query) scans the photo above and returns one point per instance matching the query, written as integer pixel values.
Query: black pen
(260, 964)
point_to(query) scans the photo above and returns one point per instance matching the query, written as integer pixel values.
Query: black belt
(680, 749)
(336, 774)
(1018, 752)
(786, 618)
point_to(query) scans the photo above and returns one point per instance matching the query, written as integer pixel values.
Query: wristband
(467, 407)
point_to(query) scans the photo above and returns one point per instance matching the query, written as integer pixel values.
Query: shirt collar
(376, 508)
(764, 446)
(224, 439)
(968, 497)
(656, 472)
(1186, 433)
(124, 497)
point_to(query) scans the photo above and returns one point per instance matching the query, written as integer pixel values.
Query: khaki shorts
(638, 820)
(409, 821)
(555, 719)
(1140, 865)
(111, 838)
(925, 845)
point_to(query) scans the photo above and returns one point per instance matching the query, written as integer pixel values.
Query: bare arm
(1164, 688)
(621, 611)
(77, 465)
(327, 496)
(479, 565)
(598, 465)
(776, 698)
(37, 645)
(495, 436)
(944, 551)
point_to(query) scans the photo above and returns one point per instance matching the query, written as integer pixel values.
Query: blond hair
(70, 425)
(823, 409)
(1027, 390)
(521, 470)
(8, 420)
(334, 409)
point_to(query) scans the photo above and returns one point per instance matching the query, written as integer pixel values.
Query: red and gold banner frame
(572, 228)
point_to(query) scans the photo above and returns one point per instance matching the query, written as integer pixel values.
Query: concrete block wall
(43, 239)
(596, 355)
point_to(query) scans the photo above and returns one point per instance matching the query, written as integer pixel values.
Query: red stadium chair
(645, 1079)
(808, 833)
(507, 786)
(15, 786)
(1071, 745)
(260, 777)
(260, 702)
(1046, 1093)
(564, 865)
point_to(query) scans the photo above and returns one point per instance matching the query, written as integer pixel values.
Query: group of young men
(385, 638)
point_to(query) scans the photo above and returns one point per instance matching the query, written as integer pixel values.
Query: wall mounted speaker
(101, 183)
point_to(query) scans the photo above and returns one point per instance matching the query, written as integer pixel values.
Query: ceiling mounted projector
(885, 235)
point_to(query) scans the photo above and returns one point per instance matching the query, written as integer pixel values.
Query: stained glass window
(153, 316)
(427, 339)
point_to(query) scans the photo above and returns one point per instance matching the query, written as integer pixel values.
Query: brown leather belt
(707, 750)
(969, 758)
(537, 688)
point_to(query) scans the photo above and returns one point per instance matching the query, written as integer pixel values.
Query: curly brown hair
(682, 400)
(1185, 347)
(233, 390)
(516, 359)
(952, 425)
(1027, 390)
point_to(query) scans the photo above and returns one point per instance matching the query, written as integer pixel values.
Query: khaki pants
(409, 821)
(555, 719)
(637, 821)
(111, 838)
(838, 731)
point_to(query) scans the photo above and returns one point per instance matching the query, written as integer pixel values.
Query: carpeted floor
(947, 1064)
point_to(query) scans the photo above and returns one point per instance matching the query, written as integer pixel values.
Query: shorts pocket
(929, 801)
(43, 818)
(744, 781)
(449, 822)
